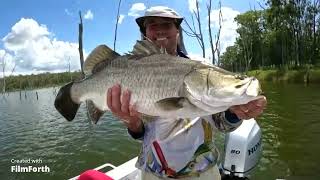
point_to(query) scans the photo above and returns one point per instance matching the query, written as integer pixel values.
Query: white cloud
(121, 17)
(88, 15)
(22, 31)
(135, 9)
(228, 32)
(31, 47)
(192, 5)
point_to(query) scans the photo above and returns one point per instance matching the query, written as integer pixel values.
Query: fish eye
(240, 77)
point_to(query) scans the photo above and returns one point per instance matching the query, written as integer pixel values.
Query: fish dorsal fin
(145, 48)
(98, 56)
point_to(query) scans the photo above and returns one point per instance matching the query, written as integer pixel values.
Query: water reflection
(290, 132)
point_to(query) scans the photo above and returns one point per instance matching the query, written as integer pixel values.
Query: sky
(39, 36)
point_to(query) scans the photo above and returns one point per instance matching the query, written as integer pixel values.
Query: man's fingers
(250, 110)
(125, 121)
(262, 102)
(109, 99)
(254, 114)
(238, 111)
(125, 101)
(241, 114)
(133, 111)
(244, 108)
(252, 106)
(121, 108)
(115, 101)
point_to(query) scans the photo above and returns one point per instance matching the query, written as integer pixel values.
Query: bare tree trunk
(197, 15)
(282, 51)
(247, 48)
(116, 29)
(218, 51)
(69, 68)
(214, 50)
(218, 35)
(193, 33)
(4, 77)
(250, 57)
(210, 33)
(80, 45)
(14, 67)
(314, 38)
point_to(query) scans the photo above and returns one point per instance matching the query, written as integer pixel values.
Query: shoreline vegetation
(305, 76)
(29, 82)
(44, 80)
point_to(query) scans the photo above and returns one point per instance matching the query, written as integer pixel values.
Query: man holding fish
(172, 103)
(181, 147)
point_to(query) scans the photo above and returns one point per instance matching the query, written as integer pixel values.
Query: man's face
(163, 32)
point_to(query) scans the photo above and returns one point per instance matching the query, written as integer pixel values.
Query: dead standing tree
(80, 45)
(69, 68)
(3, 76)
(116, 28)
(194, 32)
(214, 49)
(4, 64)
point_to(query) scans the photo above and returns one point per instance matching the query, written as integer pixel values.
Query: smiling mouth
(161, 39)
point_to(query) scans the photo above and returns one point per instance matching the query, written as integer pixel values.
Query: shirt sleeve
(226, 121)
(137, 136)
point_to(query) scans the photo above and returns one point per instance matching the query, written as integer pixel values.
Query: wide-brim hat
(159, 11)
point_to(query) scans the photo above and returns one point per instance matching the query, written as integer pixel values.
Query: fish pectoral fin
(147, 118)
(100, 56)
(93, 112)
(172, 103)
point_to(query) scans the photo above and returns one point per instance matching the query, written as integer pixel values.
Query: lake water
(33, 129)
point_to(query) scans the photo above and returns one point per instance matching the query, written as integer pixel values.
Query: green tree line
(285, 35)
(22, 82)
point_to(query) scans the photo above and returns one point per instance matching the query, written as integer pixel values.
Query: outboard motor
(242, 151)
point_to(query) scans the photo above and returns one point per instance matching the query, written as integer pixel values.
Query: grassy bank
(25, 82)
(293, 76)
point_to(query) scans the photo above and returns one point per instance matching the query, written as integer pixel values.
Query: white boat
(126, 171)
(242, 153)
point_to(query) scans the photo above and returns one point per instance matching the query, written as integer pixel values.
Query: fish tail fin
(93, 112)
(64, 103)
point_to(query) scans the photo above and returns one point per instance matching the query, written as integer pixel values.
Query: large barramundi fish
(162, 85)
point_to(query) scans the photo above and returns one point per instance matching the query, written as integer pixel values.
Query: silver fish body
(150, 80)
(161, 85)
